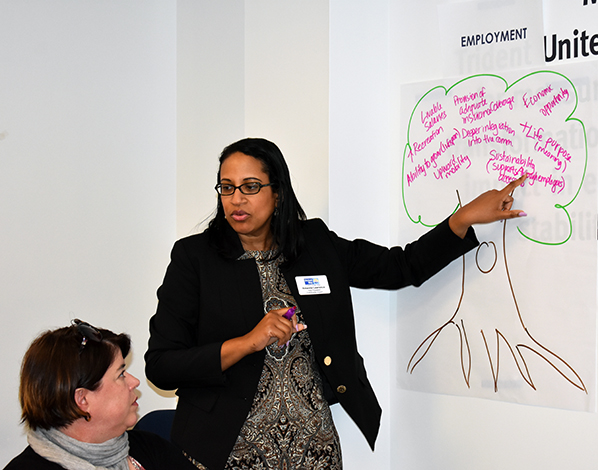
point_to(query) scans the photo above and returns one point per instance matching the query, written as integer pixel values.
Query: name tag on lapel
(312, 285)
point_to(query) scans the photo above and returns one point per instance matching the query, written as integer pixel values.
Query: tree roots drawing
(499, 340)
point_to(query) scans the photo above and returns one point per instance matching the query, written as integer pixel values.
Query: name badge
(312, 285)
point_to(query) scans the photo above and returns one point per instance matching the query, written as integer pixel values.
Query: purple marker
(289, 313)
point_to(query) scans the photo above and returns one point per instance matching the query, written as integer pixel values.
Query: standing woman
(254, 383)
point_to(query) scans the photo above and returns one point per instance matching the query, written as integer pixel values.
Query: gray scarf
(72, 454)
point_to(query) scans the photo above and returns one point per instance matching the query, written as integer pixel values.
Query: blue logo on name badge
(311, 281)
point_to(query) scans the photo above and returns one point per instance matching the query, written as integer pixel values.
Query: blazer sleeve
(373, 266)
(175, 358)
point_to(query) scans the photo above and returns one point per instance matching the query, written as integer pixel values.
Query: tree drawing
(484, 130)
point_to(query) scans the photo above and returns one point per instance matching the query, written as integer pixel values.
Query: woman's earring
(275, 211)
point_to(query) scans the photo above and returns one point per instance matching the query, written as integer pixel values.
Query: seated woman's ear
(81, 401)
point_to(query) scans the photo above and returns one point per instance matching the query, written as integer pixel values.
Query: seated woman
(78, 401)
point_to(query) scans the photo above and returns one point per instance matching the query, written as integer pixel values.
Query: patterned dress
(289, 426)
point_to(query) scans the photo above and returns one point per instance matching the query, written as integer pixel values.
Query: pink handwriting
(433, 116)
(488, 133)
(419, 146)
(532, 133)
(563, 94)
(453, 166)
(555, 185)
(508, 165)
(548, 150)
(444, 146)
(471, 114)
(457, 100)
(532, 100)
(413, 175)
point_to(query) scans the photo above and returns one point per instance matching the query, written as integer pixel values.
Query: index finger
(513, 184)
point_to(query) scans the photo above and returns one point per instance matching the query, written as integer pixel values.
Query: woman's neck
(256, 243)
(85, 431)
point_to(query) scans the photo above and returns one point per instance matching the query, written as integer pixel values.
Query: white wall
(210, 101)
(286, 90)
(359, 202)
(250, 69)
(87, 174)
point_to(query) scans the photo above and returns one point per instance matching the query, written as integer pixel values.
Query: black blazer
(206, 299)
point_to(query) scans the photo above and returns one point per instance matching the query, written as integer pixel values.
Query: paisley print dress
(290, 425)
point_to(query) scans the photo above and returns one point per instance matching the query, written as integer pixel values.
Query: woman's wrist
(235, 349)
(458, 225)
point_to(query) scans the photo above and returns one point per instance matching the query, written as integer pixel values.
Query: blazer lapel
(313, 307)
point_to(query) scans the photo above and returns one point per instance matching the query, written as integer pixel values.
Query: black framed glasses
(225, 189)
(87, 331)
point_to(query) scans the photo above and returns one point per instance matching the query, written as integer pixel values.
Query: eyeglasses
(225, 189)
(88, 332)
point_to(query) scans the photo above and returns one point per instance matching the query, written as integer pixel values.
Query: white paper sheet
(513, 320)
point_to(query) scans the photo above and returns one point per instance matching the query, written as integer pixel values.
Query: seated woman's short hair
(57, 363)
